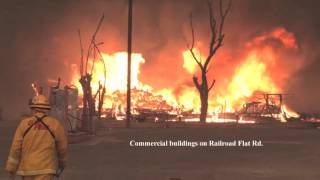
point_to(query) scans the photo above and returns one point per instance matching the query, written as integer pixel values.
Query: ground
(289, 152)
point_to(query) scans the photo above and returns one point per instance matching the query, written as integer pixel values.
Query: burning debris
(272, 108)
(256, 74)
(313, 118)
(260, 67)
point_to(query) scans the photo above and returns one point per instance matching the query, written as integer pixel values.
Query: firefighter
(39, 147)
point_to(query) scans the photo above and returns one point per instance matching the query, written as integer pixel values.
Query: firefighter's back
(38, 155)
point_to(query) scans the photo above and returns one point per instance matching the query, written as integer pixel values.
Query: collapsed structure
(99, 85)
(153, 108)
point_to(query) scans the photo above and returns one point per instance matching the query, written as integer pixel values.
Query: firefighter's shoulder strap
(39, 120)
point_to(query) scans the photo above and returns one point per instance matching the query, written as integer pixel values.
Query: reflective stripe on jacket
(38, 151)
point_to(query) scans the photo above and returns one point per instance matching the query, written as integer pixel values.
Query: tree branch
(196, 82)
(93, 41)
(208, 69)
(192, 44)
(98, 91)
(81, 53)
(212, 84)
(215, 43)
(213, 23)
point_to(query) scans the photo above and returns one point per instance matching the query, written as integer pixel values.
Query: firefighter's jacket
(38, 151)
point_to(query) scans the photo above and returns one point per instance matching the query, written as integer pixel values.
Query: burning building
(264, 67)
(261, 55)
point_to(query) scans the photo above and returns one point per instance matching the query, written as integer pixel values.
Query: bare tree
(216, 41)
(89, 109)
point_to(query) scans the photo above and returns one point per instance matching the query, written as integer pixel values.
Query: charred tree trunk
(216, 40)
(204, 94)
(204, 106)
(203, 90)
(88, 103)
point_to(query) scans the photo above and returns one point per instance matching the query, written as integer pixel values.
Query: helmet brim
(40, 106)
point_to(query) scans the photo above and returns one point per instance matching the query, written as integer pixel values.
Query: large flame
(249, 78)
(258, 70)
(188, 60)
(262, 69)
(116, 72)
(114, 76)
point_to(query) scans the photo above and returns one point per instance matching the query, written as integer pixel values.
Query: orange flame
(258, 71)
(254, 73)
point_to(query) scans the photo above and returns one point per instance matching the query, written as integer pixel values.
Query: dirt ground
(288, 153)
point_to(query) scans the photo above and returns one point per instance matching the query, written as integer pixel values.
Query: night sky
(39, 40)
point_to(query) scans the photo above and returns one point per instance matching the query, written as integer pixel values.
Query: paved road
(288, 153)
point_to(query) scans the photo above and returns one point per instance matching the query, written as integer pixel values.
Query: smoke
(39, 41)
(305, 88)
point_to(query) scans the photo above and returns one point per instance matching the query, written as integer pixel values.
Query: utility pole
(129, 64)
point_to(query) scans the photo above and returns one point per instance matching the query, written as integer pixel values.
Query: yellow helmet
(39, 101)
